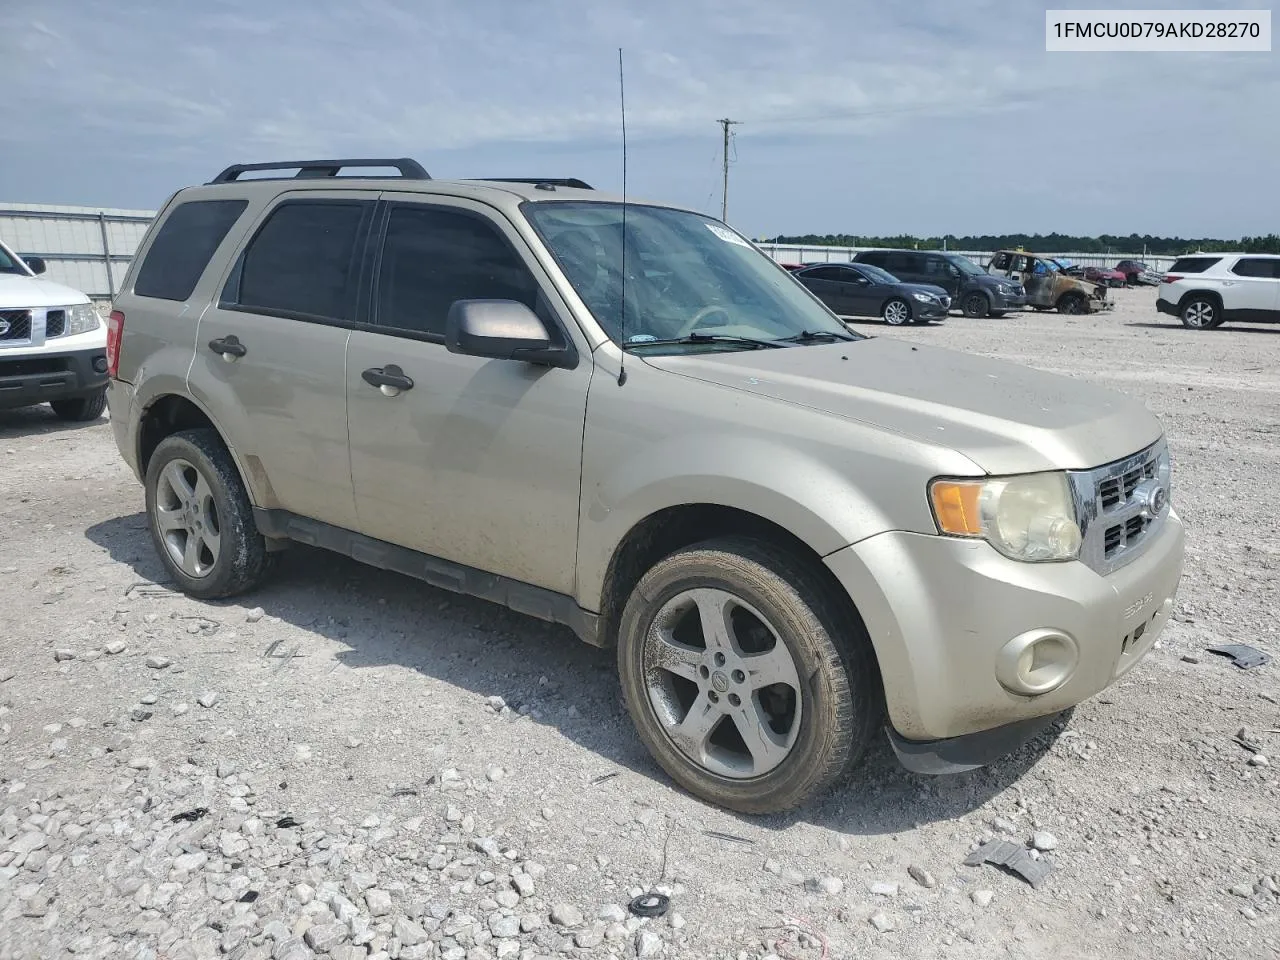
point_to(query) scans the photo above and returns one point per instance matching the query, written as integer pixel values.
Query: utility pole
(726, 123)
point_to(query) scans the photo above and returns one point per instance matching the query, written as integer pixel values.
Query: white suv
(1206, 290)
(53, 344)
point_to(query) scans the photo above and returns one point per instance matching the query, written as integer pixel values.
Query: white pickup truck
(53, 344)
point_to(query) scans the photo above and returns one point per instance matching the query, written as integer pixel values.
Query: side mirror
(35, 264)
(503, 330)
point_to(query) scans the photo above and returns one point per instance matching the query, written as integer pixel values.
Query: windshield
(9, 262)
(876, 275)
(687, 276)
(966, 265)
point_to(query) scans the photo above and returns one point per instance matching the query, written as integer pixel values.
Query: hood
(17, 292)
(1004, 417)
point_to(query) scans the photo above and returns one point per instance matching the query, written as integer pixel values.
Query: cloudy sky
(938, 116)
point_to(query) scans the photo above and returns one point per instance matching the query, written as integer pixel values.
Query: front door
(860, 293)
(270, 351)
(479, 461)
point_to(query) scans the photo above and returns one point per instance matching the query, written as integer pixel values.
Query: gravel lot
(372, 767)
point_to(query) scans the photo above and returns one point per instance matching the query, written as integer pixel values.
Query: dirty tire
(841, 699)
(1200, 313)
(976, 305)
(242, 561)
(896, 312)
(1073, 303)
(81, 409)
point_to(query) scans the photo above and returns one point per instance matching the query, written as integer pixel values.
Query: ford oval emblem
(4, 327)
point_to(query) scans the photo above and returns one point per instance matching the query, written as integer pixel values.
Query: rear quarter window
(1193, 264)
(182, 247)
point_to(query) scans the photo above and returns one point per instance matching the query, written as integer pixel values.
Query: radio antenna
(622, 318)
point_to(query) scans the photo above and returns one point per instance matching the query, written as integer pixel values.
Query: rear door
(907, 267)
(1253, 288)
(270, 352)
(479, 461)
(826, 284)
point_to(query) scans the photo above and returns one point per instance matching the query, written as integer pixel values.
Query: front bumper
(1001, 301)
(929, 311)
(940, 611)
(39, 376)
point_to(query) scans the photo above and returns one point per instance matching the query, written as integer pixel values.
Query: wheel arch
(1213, 295)
(169, 413)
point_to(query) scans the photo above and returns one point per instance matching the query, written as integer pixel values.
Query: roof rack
(309, 169)
(539, 181)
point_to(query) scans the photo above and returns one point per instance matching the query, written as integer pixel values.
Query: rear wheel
(896, 312)
(1201, 313)
(200, 517)
(976, 305)
(81, 409)
(744, 677)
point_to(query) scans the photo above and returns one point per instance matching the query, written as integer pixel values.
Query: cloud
(193, 86)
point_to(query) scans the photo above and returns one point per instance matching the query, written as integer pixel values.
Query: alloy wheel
(187, 517)
(722, 683)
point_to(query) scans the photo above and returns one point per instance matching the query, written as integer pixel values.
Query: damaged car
(1047, 286)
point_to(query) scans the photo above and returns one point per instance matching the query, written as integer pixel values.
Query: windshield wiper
(705, 338)
(819, 336)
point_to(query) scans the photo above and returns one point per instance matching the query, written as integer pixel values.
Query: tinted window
(876, 257)
(182, 247)
(1193, 264)
(303, 261)
(901, 263)
(1256, 267)
(826, 273)
(432, 258)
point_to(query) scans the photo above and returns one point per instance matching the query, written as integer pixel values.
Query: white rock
(64, 654)
(141, 763)
(159, 663)
(115, 647)
(1259, 760)
(648, 944)
(881, 921)
(494, 774)
(378, 901)
(566, 915)
(1044, 841)
(677, 921)
(254, 615)
(827, 885)
(883, 889)
(612, 913)
(982, 898)
(207, 699)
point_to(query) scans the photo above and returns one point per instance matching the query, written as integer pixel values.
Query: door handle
(230, 347)
(390, 380)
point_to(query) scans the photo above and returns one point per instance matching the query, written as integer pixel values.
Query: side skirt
(521, 597)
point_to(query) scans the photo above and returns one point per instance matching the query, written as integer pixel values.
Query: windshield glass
(876, 275)
(9, 263)
(966, 266)
(687, 275)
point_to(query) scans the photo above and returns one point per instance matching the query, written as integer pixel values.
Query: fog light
(1037, 662)
(100, 364)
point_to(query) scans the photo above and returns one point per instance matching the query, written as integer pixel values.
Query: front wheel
(896, 313)
(81, 409)
(976, 305)
(200, 517)
(1073, 303)
(744, 677)
(1200, 313)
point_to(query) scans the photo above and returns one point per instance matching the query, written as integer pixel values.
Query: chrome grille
(1119, 509)
(16, 324)
(55, 323)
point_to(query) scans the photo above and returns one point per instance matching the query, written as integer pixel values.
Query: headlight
(1030, 517)
(82, 318)
(922, 297)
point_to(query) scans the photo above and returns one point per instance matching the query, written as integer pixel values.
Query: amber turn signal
(955, 505)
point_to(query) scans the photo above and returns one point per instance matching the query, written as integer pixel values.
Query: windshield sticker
(728, 236)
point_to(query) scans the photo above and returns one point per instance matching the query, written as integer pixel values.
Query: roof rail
(539, 181)
(308, 169)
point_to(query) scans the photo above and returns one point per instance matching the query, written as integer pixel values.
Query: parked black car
(972, 289)
(861, 290)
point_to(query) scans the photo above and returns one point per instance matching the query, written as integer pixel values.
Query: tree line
(1044, 243)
